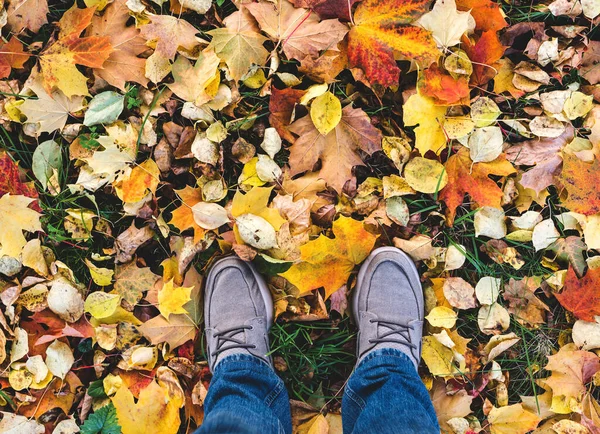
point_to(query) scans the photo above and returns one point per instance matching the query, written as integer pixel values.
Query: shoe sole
(365, 265)
(262, 285)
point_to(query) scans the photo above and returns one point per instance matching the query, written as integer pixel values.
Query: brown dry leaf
(338, 150)
(170, 33)
(459, 293)
(27, 14)
(128, 242)
(522, 302)
(124, 63)
(448, 406)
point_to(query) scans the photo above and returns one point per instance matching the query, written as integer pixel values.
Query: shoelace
(228, 335)
(395, 328)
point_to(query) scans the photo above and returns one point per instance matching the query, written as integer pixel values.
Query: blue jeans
(383, 395)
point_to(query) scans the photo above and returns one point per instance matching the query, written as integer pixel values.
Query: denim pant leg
(246, 396)
(385, 395)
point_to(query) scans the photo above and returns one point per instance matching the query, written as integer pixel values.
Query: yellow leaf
(154, 412)
(171, 299)
(438, 357)
(326, 112)
(249, 175)
(424, 175)
(143, 178)
(442, 316)
(512, 419)
(33, 257)
(422, 111)
(327, 262)
(16, 217)
(102, 305)
(255, 202)
(100, 276)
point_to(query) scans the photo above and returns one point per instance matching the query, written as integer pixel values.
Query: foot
(388, 304)
(238, 311)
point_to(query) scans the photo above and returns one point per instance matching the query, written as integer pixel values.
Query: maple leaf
(51, 110)
(10, 181)
(512, 419)
(27, 14)
(442, 87)
(571, 370)
(143, 177)
(338, 150)
(239, 44)
(281, 109)
(194, 83)
(484, 55)
(327, 262)
(170, 33)
(58, 61)
(183, 217)
(581, 296)
(446, 23)
(156, 410)
(544, 154)
(171, 299)
(132, 281)
(175, 331)
(123, 64)
(382, 27)
(464, 176)
(581, 180)
(11, 56)
(298, 31)
(449, 406)
(16, 217)
(487, 14)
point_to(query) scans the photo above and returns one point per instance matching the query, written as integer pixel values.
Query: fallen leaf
(382, 27)
(175, 331)
(171, 299)
(459, 293)
(327, 262)
(16, 217)
(12, 56)
(354, 131)
(155, 410)
(422, 111)
(298, 31)
(170, 33)
(195, 83)
(581, 296)
(58, 61)
(512, 419)
(124, 63)
(132, 281)
(27, 14)
(464, 176)
(446, 23)
(487, 14)
(239, 44)
(579, 179)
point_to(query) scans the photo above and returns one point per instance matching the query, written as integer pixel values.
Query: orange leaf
(382, 28)
(484, 54)
(11, 56)
(123, 64)
(582, 296)
(58, 61)
(142, 178)
(486, 13)
(183, 218)
(338, 150)
(581, 180)
(464, 176)
(443, 88)
(328, 262)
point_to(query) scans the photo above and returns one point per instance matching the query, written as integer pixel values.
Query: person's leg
(385, 394)
(245, 394)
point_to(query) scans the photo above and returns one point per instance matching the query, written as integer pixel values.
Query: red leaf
(10, 181)
(484, 54)
(581, 297)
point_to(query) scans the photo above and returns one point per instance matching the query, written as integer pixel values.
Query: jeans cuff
(243, 359)
(385, 353)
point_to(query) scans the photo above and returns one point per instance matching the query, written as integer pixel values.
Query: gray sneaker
(238, 311)
(388, 304)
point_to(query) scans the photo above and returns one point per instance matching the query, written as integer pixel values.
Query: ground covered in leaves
(142, 139)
